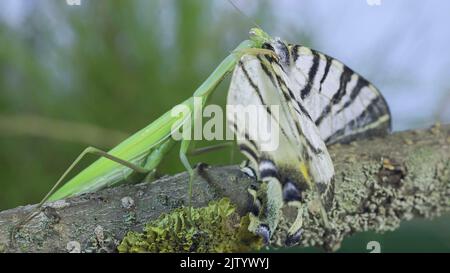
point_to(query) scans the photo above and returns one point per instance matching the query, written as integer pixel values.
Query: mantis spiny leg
(210, 148)
(185, 161)
(88, 150)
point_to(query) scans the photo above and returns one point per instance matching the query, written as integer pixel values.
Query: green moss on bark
(214, 228)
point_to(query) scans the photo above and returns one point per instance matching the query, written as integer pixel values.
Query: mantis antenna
(243, 14)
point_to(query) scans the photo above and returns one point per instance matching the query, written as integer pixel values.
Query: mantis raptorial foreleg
(254, 51)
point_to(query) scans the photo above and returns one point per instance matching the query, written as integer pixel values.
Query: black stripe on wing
(337, 97)
(253, 85)
(251, 142)
(248, 151)
(266, 69)
(290, 99)
(373, 110)
(360, 84)
(313, 70)
(311, 75)
(258, 92)
(352, 96)
(329, 60)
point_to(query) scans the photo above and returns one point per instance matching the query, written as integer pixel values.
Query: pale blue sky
(402, 46)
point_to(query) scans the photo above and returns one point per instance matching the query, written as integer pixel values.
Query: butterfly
(320, 101)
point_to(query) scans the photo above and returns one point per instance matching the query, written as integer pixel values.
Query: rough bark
(378, 184)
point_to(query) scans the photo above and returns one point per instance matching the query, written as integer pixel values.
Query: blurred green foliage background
(72, 76)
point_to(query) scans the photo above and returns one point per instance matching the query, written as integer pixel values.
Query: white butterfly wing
(261, 81)
(343, 104)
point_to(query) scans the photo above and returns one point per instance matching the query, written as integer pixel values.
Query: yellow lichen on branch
(214, 228)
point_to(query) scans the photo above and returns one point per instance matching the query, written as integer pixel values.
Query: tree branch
(378, 184)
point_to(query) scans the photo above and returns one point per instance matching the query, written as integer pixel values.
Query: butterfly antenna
(243, 14)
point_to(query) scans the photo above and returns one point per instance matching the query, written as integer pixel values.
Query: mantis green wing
(148, 146)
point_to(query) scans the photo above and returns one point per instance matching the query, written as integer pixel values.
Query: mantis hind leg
(97, 152)
(185, 161)
(185, 150)
(87, 151)
(188, 150)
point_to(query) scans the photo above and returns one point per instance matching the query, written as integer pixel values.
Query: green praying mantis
(142, 152)
(338, 106)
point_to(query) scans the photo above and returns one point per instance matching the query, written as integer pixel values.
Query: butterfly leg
(267, 196)
(248, 168)
(292, 196)
(295, 231)
(269, 199)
